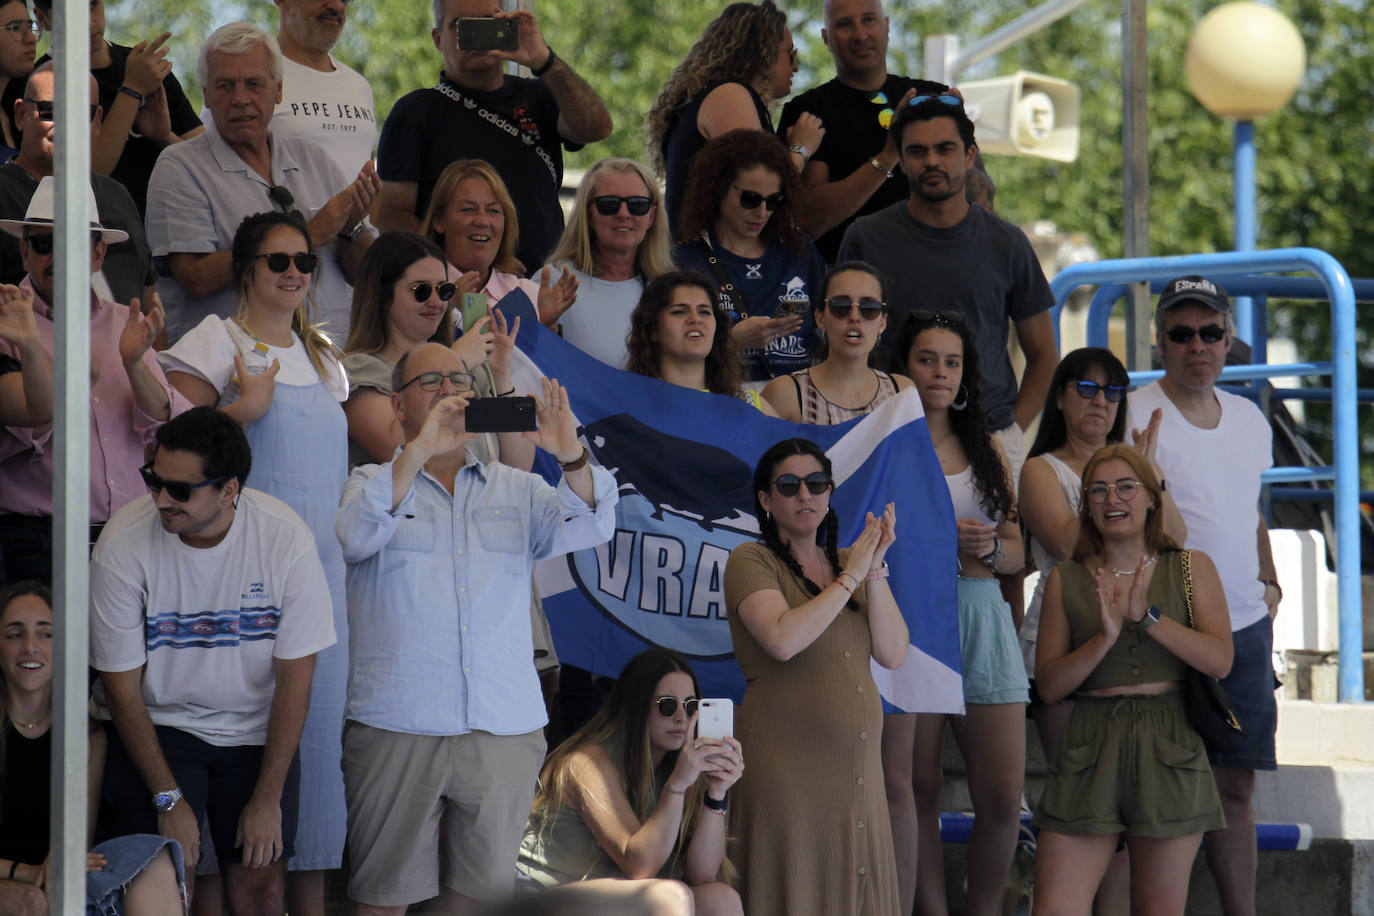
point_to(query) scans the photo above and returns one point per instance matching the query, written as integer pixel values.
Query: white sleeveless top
(965, 497)
(1044, 562)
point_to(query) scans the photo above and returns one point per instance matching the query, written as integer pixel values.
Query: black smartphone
(499, 415)
(487, 33)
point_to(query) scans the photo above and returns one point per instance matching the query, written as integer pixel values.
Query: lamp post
(1244, 61)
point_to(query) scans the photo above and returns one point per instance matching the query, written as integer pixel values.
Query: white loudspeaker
(1025, 114)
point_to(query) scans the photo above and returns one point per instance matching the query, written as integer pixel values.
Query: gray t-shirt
(984, 267)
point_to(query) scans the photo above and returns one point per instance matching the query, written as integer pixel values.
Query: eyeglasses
(817, 482)
(20, 29)
(179, 492)
(667, 706)
(44, 109)
(422, 291)
(1088, 390)
(843, 306)
(1182, 334)
(609, 204)
(43, 244)
(750, 200)
(945, 318)
(432, 381)
(279, 261)
(1125, 489)
(951, 100)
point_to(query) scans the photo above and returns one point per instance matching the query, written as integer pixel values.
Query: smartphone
(715, 718)
(487, 33)
(473, 308)
(499, 415)
(788, 307)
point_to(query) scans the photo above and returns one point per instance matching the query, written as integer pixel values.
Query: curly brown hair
(723, 369)
(715, 168)
(739, 45)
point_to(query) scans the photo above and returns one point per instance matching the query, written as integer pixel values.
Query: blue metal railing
(1242, 272)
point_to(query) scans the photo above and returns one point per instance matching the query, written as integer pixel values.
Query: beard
(937, 193)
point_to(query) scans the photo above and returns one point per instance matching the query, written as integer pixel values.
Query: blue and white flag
(684, 461)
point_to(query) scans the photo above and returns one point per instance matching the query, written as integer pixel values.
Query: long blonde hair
(250, 234)
(739, 45)
(577, 246)
(457, 172)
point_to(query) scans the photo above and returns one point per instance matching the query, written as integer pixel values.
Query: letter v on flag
(684, 463)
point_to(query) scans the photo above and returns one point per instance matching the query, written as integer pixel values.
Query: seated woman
(739, 225)
(615, 242)
(632, 806)
(851, 316)
(674, 336)
(472, 218)
(137, 874)
(1115, 633)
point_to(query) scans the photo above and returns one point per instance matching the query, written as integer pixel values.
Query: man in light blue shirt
(443, 741)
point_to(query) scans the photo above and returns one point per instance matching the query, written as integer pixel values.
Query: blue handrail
(1341, 293)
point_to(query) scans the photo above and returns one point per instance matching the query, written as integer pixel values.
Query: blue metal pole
(1244, 178)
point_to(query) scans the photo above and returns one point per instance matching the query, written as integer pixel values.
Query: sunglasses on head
(43, 244)
(44, 109)
(609, 204)
(817, 482)
(422, 291)
(1088, 390)
(279, 262)
(750, 200)
(667, 706)
(945, 318)
(944, 99)
(179, 492)
(843, 306)
(1182, 334)
(433, 381)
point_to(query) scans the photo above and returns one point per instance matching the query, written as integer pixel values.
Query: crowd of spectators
(314, 625)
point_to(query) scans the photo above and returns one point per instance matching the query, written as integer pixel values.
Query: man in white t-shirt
(1213, 447)
(208, 604)
(322, 99)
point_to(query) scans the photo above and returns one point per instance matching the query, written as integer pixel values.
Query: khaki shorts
(422, 808)
(1133, 765)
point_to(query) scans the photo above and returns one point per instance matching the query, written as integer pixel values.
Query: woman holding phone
(631, 808)
(805, 619)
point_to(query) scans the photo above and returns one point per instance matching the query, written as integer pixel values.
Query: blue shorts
(1251, 685)
(994, 671)
(125, 857)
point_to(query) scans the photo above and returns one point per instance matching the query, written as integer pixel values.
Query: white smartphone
(715, 718)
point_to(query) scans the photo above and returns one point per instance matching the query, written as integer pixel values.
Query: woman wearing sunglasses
(1115, 635)
(806, 619)
(138, 874)
(472, 218)
(275, 372)
(630, 810)
(739, 226)
(615, 242)
(937, 351)
(851, 317)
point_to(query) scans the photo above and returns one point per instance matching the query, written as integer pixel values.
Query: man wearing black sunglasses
(208, 606)
(1212, 447)
(130, 397)
(128, 268)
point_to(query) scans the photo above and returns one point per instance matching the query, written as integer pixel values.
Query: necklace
(1118, 573)
(31, 725)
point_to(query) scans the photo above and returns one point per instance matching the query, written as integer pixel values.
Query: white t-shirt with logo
(208, 623)
(1214, 476)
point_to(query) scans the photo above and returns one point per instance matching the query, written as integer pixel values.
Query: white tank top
(1044, 562)
(964, 497)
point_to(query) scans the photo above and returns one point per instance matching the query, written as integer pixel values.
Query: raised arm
(1046, 511)
(582, 116)
(1207, 645)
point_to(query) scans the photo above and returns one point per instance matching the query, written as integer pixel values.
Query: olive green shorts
(1133, 765)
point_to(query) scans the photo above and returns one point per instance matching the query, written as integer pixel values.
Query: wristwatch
(798, 148)
(1151, 617)
(352, 235)
(166, 801)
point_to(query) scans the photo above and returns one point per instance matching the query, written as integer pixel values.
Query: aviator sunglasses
(1088, 390)
(843, 306)
(609, 204)
(1182, 334)
(667, 706)
(179, 492)
(817, 482)
(750, 200)
(422, 291)
(279, 261)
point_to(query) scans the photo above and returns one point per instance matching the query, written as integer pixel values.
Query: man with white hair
(202, 189)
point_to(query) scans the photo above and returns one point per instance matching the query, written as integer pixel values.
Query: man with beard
(851, 173)
(940, 252)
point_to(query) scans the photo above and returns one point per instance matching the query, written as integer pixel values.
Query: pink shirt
(499, 284)
(120, 432)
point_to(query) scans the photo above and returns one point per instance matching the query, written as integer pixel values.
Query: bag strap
(722, 277)
(1186, 561)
